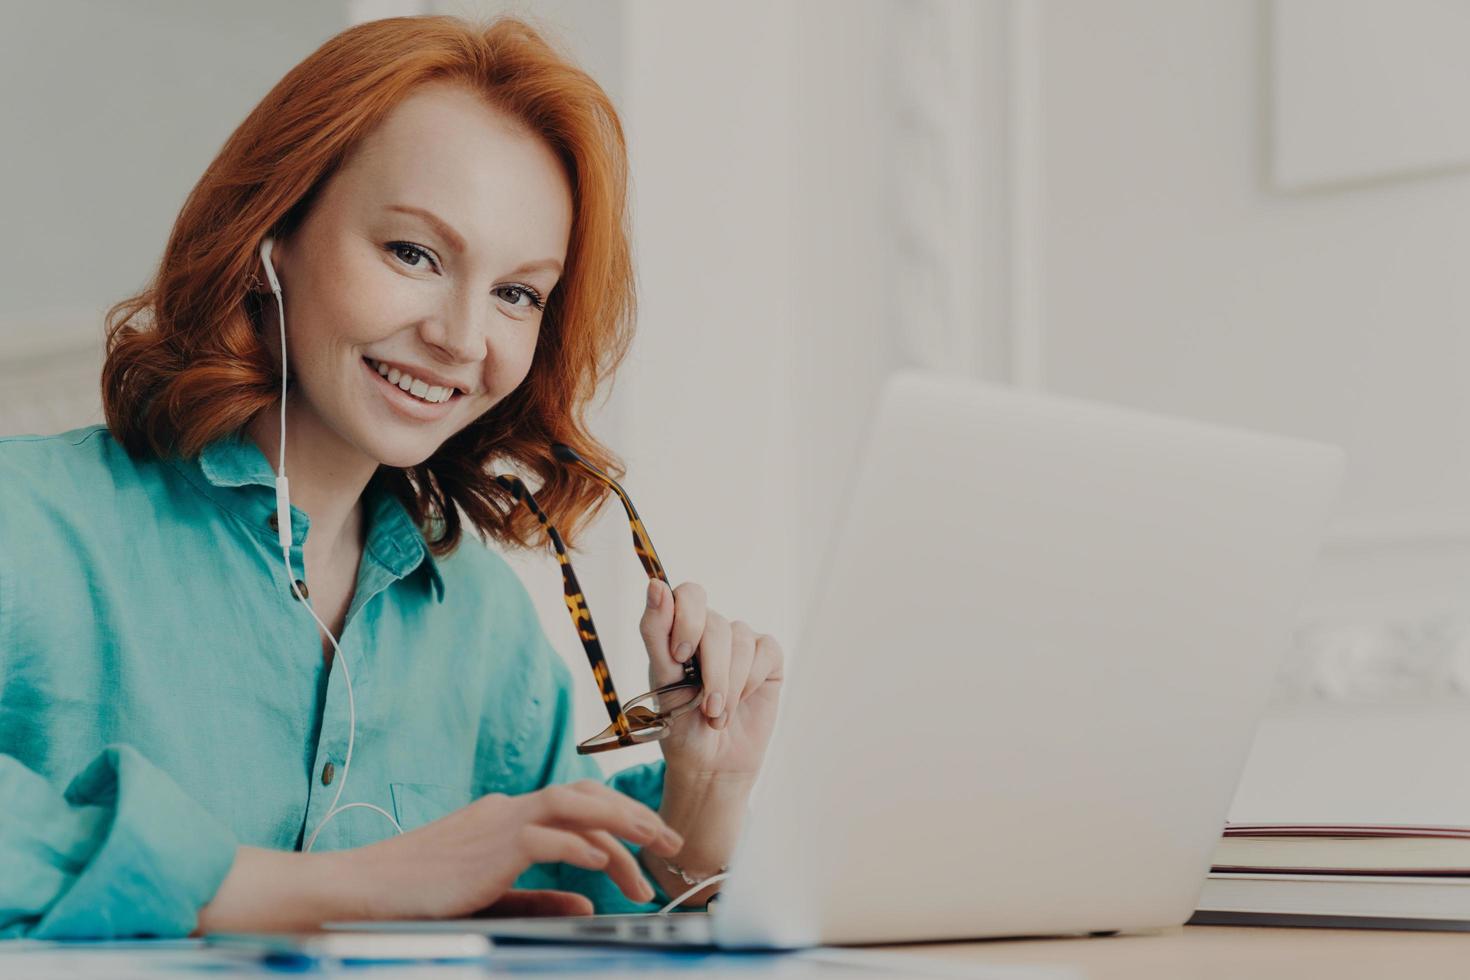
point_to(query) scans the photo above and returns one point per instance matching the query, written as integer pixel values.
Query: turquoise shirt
(164, 699)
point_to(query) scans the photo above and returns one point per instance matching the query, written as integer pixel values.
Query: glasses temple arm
(577, 608)
(642, 542)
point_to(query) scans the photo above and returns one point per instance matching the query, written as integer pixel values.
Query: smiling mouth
(413, 387)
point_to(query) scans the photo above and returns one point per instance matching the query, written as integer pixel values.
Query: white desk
(1229, 953)
(1184, 953)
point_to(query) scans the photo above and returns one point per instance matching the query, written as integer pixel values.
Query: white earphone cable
(283, 517)
(683, 895)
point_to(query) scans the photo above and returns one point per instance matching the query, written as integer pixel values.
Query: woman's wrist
(269, 890)
(707, 810)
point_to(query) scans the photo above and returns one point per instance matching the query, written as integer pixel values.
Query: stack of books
(1362, 875)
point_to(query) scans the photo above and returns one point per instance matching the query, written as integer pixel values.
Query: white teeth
(433, 394)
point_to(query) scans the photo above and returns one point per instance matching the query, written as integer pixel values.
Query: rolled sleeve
(124, 852)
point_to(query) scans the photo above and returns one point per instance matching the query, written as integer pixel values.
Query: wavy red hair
(186, 359)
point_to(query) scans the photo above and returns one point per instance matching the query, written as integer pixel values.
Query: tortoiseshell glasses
(650, 716)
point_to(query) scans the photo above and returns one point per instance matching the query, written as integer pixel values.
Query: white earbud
(283, 488)
(270, 270)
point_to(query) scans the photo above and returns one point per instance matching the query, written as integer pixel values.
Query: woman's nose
(457, 332)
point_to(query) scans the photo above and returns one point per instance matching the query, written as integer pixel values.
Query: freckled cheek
(369, 303)
(507, 367)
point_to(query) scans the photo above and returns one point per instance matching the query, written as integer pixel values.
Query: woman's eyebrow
(456, 240)
(550, 265)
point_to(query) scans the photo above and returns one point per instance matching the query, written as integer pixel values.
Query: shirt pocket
(415, 804)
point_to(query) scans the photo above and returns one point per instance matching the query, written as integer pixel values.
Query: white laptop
(1026, 687)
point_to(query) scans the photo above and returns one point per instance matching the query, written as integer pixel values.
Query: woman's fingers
(768, 664)
(689, 621)
(622, 867)
(655, 626)
(522, 902)
(588, 805)
(596, 850)
(547, 845)
(593, 813)
(714, 665)
(742, 657)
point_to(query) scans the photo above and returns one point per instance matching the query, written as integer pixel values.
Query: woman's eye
(410, 255)
(411, 251)
(520, 292)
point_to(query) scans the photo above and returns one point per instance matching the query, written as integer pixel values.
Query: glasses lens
(661, 705)
(641, 732)
(648, 716)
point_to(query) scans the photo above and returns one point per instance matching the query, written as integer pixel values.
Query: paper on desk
(143, 959)
(181, 960)
(822, 963)
(917, 964)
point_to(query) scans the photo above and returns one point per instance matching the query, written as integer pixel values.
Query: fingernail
(673, 839)
(648, 892)
(715, 704)
(655, 594)
(681, 652)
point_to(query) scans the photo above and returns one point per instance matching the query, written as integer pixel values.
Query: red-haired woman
(183, 680)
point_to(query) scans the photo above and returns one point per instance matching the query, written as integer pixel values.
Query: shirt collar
(235, 461)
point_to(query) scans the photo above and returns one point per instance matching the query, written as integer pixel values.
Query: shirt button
(328, 771)
(301, 587)
(274, 522)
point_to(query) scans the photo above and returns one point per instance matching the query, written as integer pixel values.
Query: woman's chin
(404, 461)
(403, 453)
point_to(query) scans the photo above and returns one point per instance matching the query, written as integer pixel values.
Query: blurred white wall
(1173, 275)
(1058, 194)
(111, 111)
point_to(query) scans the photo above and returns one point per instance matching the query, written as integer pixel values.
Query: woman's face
(373, 283)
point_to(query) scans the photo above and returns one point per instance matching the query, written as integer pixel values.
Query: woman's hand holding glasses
(711, 706)
(740, 668)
